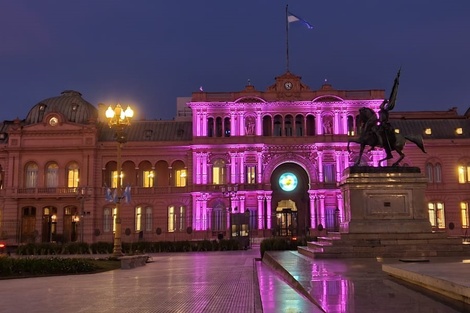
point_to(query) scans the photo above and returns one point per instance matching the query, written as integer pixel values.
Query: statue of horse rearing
(390, 141)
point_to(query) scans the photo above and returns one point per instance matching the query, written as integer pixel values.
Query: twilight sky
(148, 52)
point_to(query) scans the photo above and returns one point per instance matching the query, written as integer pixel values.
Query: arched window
(218, 127)
(299, 125)
(438, 173)
(288, 124)
(73, 176)
(227, 127)
(210, 127)
(434, 172)
(267, 126)
(310, 125)
(218, 172)
(350, 126)
(429, 172)
(277, 125)
(31, 175)
(52, 175)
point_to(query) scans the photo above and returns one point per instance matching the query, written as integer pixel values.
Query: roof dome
(70, 104)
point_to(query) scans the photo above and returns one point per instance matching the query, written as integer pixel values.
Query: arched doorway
(290, 201)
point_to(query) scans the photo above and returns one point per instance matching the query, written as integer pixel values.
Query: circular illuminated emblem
(53, 121)
(288, 181)
(288, 85)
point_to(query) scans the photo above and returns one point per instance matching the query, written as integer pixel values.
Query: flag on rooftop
(292, 18)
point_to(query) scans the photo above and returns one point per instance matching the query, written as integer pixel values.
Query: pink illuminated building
(249, 163)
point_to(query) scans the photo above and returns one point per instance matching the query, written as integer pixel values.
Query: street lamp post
(119, 120)
(82, 194)
(229, 192)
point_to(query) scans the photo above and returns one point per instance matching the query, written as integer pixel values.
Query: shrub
(11, 267)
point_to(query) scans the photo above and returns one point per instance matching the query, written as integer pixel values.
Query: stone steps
(386, 245)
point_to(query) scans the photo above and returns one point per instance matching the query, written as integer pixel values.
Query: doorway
(286, 219)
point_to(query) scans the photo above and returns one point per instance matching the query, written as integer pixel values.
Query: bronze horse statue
(370, 130)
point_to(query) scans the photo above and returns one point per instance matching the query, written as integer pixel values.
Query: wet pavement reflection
(357, 286)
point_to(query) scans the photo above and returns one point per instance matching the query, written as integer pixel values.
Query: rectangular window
(171, 219)
(138, 219)
(218, 220)
(251, 174)
(181, 218)
(181, 178)
(31, 178)
(114, 219)
(441, 220)
(464, 214)
(218, 175)
(432, 214)
(72, 178)
(148, 178)
(329, 173)
(437, 214)
(52, 176)
(114, 176)
(148, 219)
(464, 174)
(107, 220)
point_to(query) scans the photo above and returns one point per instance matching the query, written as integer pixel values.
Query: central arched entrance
(290, 201)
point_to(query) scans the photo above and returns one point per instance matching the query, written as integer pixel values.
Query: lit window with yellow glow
(436, 214)
(397, 130)
(251, 174)
(72, 175)
(181, 178)
(114, 179)
(148, 179)
(464, 174)
(428, 131)
(459, 131)
(464, 214)
(288, 181)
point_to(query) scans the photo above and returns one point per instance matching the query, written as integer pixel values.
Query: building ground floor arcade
(291, 203)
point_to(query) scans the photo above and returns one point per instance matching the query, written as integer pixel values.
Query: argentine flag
(291, 18)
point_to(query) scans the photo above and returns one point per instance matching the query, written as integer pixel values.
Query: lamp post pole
(119, 120)
(229, 192)
(81, 196)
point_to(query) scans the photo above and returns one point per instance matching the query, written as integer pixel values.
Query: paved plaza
(229, 281)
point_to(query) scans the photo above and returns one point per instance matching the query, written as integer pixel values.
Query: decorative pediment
(288, 83)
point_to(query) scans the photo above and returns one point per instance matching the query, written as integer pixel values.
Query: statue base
(384, 216)
(384, 200)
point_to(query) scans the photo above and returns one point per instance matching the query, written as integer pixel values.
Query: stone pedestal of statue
(384, 200)
(385, 215)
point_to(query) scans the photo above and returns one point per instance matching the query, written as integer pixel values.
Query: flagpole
(287, 41)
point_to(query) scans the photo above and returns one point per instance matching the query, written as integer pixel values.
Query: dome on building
(70, 104)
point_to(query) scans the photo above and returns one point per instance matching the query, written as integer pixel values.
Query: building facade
(247, 163)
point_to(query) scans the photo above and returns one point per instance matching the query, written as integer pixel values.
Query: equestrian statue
(378, 132)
